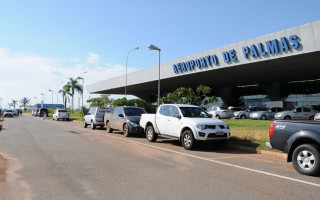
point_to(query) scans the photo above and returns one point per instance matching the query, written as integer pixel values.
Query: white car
(317, 117)
(60, 114)
(220, 112)
(186, 123)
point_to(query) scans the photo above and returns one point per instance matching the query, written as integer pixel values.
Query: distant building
(49, 105)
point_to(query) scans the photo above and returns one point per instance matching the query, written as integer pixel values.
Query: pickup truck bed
(300, 140)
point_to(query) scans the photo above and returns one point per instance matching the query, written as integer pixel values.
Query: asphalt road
(45, 159)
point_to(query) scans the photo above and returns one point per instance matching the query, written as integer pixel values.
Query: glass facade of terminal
(298, 93)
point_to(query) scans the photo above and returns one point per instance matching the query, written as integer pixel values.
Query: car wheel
(84, 124)
(126, 131)
(311, 118)
(243, 117)
(93, 126)
(306, 159)
(263, 117)
(287, 118)
(217, 117)
(68, 119)
(150, 134)
(108, 127)
(188, 140)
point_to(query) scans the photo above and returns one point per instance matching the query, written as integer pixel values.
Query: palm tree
(14, 103)
(24, 102)
(65, 95)
(74, 86)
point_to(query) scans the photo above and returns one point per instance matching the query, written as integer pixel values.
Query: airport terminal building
(282, 66)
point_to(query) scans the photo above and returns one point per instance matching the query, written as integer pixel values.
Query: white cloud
(25, 75)
(93, 58)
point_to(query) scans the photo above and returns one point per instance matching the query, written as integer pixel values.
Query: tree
(132, 102)
(65, 95)
(74, 86)
(189, 96)
(24, 102)
(14, 103)
(103, 101)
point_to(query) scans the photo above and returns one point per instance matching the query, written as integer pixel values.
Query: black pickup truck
(300, 140)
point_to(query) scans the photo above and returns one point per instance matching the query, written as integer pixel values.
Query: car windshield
(62, 111)
(8, 110)
(194, 112)
(134, 111)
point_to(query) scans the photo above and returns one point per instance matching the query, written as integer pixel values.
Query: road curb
(252, 150)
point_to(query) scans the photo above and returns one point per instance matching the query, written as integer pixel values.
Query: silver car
(95, 117)
(317, 117)
(245, 112)
(60, 114)
(299, 113)
(264, 115)
(220, 112)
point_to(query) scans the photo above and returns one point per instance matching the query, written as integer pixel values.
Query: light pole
(58, 90)
(42, 100)
(36, 99)
(82, 86)
(125, 88)
(52, 96)
(152, 47)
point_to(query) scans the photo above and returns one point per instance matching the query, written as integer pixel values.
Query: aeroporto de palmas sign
(268, 48)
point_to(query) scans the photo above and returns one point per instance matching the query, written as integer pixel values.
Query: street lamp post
(36, 99)
(125, 88)
(152, 47)
(52, 96)
(42, 100)
(82, 86)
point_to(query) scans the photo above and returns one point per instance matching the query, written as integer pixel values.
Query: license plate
(219, 133)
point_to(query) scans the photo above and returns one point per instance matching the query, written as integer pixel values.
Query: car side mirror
(176, 116)
(211, 115)
(121, 115)
(88, 113)
(294, 111)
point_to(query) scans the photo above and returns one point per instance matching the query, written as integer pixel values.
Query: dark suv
(43, 111)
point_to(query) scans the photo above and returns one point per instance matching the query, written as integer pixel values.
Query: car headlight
(201, 126)
(133, 124)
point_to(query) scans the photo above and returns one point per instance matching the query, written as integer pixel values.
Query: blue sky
(42, 43)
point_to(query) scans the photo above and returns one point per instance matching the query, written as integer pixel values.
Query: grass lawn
(76, 116)
(249, 133)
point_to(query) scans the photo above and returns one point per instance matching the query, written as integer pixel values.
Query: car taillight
(224, 111)
(271, 130)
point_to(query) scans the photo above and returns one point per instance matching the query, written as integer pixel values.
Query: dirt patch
(3, 168)
(3, 175)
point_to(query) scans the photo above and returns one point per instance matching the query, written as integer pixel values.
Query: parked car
(124, 118)
(234, 108)
(186, 123)
(245, 112)
(42, 112)
(36, 113)
(317, 117)
(267, 114)
(8, 113)
(300, 140)
(220, 112)
(60, 114)
(298, 113)
(95, 117)
(33, 112)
